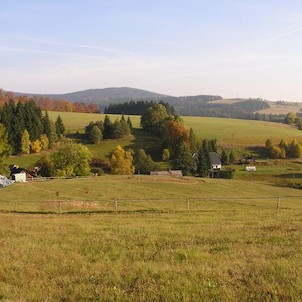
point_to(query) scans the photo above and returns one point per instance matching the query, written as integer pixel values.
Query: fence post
(188, 203)
(15, 206)
(115, 203)
(59, 206)
(278, 203)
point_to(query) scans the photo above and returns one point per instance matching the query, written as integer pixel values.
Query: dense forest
(27, 129)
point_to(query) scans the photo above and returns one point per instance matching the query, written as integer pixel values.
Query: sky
(231, 48)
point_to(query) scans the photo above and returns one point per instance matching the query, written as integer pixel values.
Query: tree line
(48, 104)
(28, 130)
(96, 131)
(138, 107)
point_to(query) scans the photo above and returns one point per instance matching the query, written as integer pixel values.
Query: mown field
(218, 250)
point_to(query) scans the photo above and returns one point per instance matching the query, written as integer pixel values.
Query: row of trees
(293, 119)
(136, 107)
(47, 104)
(27, 127)
(284, 149)
(96, 131)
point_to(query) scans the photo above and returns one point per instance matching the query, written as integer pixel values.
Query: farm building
(19, 177)
(215, 161)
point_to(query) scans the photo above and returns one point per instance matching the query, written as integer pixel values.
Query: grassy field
(219, 250)
(226, 131)
(143, 238)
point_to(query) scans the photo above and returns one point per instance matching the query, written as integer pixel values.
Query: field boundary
(119, 205)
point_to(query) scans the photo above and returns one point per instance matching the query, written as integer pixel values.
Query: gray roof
(215, 159)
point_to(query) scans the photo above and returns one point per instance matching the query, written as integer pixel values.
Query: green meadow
(232, 245)
(143, 238)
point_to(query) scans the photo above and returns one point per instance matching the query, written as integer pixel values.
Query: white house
(215, 161)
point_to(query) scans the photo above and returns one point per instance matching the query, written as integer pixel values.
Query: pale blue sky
(177, 47)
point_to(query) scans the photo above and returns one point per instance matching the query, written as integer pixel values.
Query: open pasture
(226, 131)
(222, 251)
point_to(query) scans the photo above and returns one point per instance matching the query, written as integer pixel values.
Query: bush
(226, 174)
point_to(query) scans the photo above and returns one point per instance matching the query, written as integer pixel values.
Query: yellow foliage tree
(44, 142)
(121, 162)
(25, 142)
(36, 146)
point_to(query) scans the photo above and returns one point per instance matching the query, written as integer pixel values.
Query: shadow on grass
(258, 152)
(150, 143)
(77, 137)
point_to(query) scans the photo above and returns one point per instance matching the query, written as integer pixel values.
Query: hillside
(102, 97)
(198, 105)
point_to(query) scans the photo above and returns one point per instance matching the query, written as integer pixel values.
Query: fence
(150, 204)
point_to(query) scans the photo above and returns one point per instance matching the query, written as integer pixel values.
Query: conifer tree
(108, 128)
(60, 128)
(5, 149)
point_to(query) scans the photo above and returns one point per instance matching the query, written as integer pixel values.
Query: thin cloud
(35, 51)
(83, 46)
(280, 35)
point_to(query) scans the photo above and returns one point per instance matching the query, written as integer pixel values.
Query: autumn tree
(71, 160)
(36, 146)
(121, 162)
(25, 142)
(44, 142)
(175, 135)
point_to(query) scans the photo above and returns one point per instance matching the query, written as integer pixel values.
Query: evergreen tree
(143, 163)
(224, 158)
(232, 158)
(193, 141)
(95, 135)
(129, 123)
(5, 150)
(202, 166)
(184, 160)
(108, 128)
(60, 128)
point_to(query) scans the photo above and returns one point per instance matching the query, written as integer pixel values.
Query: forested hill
(200, 105)
(103, 97)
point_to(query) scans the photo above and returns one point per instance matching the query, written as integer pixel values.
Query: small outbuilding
(215, 161)
(19, 177)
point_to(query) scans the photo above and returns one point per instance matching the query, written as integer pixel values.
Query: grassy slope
(217, 251)
(227, 131)
(231, 133)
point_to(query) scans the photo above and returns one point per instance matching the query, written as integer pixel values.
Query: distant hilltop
(199, 105)
(102, 97)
